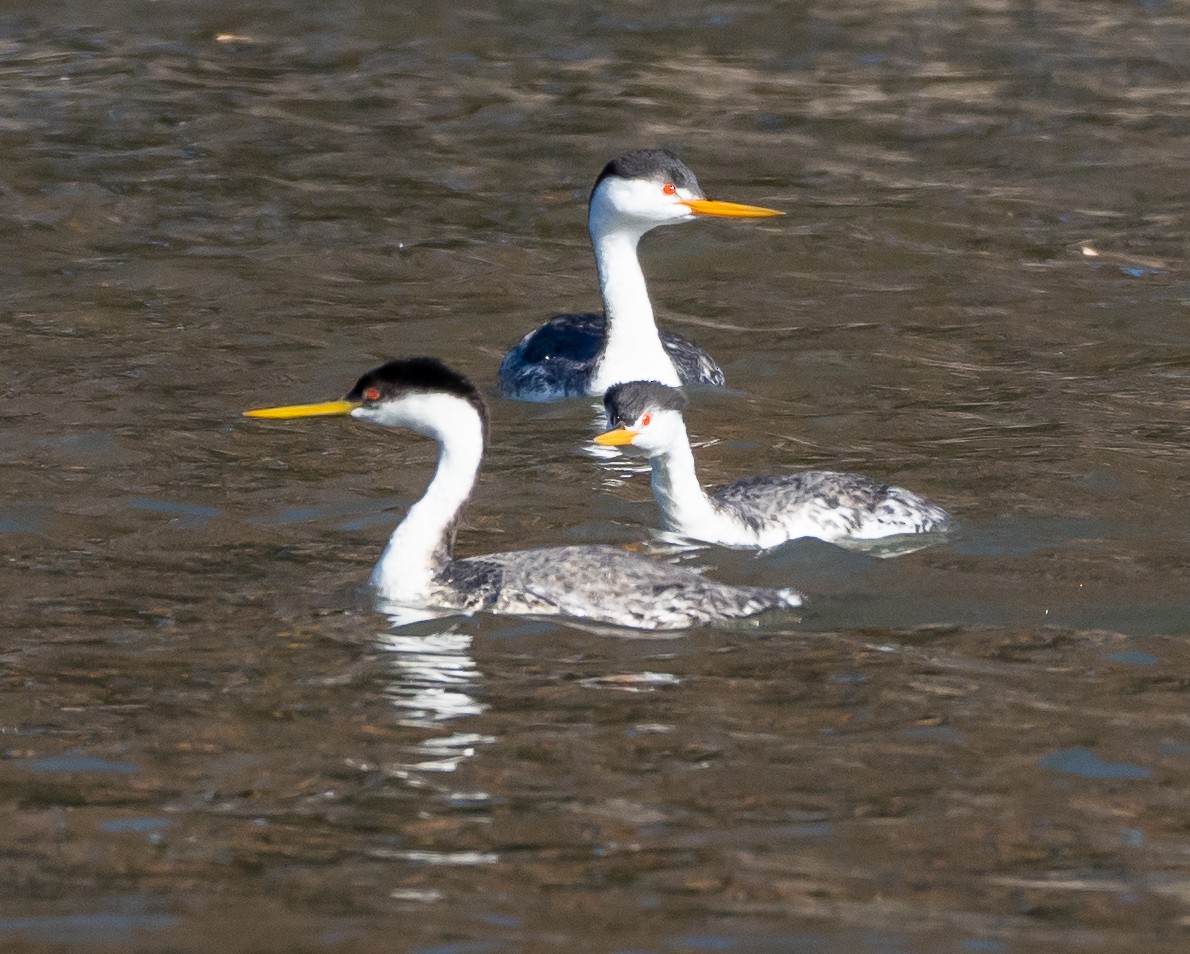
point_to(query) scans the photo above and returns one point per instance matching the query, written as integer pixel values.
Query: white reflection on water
(434, 676)
(434, 681)
(438, 857)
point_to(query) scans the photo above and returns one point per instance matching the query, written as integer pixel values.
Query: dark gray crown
(655, 165)
(626, 402)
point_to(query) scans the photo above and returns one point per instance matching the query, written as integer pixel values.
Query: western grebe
(755, 511)
(596, 583)
(585, 354)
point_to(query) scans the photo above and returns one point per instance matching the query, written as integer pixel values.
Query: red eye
(669, 189)
(372, 394)
(645, 419)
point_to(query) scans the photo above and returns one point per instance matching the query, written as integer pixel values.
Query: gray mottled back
(841, 504)
(605, 584)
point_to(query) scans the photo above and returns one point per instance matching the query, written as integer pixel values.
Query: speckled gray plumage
(844, 505)
(601, 584)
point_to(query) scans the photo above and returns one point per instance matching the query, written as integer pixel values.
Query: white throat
(421, 545)
(632, 350)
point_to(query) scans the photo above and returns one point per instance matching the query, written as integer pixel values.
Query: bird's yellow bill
(304, 410)
(731, 210)
(617, 438)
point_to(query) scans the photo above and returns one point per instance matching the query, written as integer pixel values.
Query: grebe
(597, 583)
(585, 354)
(755, 511)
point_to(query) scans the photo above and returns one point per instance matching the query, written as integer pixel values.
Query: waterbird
(601, 584)
(573, 355)
(755, 511)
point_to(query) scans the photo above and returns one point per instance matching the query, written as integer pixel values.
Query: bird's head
(645, 415)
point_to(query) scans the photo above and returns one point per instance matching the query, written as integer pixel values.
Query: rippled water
(980, 291)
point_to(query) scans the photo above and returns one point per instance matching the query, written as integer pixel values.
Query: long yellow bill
(617, 438)
(731, 210)
(304, 410)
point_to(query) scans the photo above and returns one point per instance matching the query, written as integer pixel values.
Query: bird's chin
(668, 217)
(680, 214)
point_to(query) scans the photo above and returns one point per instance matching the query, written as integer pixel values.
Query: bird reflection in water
(435, 680)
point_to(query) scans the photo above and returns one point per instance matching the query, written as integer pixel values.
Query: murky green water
(209, 741)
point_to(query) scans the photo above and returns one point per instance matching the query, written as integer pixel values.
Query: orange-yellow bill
(617, 438)
(304, 410)
(731, 210)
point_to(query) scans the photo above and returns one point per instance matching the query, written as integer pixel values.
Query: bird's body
(826, 504)
(755, 511)
(417, 569)
(585, 354)
(617, 587)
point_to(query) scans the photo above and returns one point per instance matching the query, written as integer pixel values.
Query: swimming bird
(573, 355)
(417, 569)
(755, 511)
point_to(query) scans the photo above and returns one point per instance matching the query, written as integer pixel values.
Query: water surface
(210, 742)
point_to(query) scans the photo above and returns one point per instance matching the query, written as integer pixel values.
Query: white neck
(632, 350)
(421, 545)
(684, 505)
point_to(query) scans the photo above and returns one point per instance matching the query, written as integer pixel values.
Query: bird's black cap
(402, 376)
(626, 402)
(656, 165)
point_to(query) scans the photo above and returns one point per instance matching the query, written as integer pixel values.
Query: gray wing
(694, 365)
(607, 585)
(841, 505)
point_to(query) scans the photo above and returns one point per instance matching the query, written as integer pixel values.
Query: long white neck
(632, 350)
(420, 547)
(684, 505)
